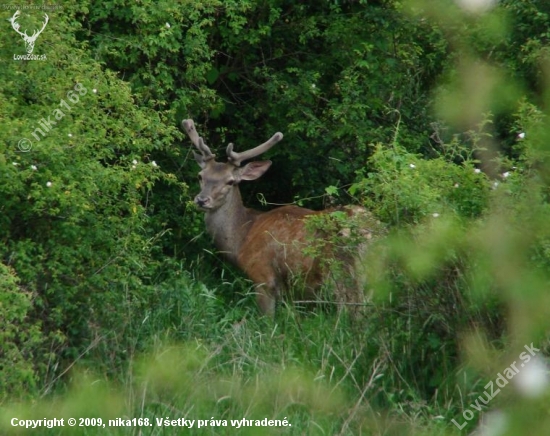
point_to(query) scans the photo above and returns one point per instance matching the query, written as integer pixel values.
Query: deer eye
(231, 182)
(199, 177)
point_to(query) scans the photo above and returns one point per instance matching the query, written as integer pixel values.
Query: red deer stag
(267, 246)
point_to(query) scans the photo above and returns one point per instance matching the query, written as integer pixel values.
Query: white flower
(313, 85)
(493, 423)
(134, 162)
(506, 174)
(133, 167)
(94, 91)
(49, 184)
(412, 165)
(435, 214)
(15, 164)
(476, 6)
(70, 135)
(456, 185)
(521, 135)
(34, 167)
(154, 164)
(495, 185)
(532, 379)
(167, 25)
(477, 171)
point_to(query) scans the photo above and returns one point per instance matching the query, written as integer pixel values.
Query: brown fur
(272, 255)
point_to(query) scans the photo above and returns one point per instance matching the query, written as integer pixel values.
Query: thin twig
(92, 345)
(377, 364)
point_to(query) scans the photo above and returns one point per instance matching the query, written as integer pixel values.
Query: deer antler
(16, 25)
(36, 33)
(189, 127)
(237, 158)
(29, 40)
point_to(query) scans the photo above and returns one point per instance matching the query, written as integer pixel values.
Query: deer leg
(267, 297)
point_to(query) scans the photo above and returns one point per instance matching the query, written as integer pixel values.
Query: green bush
(20, 339)
(76, 226)
(401, 187)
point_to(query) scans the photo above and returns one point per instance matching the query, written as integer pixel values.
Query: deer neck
(229, 224)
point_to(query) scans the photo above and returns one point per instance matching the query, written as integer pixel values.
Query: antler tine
(45, 22)
(38, 32)
(197, 141)
(189, 127)
(237, 158)
(16, 25)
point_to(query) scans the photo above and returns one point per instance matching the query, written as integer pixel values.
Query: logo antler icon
(29, 40)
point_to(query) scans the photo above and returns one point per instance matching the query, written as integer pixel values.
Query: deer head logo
(29, 40)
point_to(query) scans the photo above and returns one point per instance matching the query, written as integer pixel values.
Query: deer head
(218, 180)
(29, 40)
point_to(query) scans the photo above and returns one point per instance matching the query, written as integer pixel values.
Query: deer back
(273, 250)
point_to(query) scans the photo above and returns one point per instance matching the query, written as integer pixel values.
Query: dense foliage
(112, 300)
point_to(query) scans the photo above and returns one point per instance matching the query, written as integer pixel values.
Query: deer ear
(253, 170)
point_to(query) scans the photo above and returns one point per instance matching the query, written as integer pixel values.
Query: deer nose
(202, 201)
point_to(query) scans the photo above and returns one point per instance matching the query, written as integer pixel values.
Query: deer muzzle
(203, 202)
